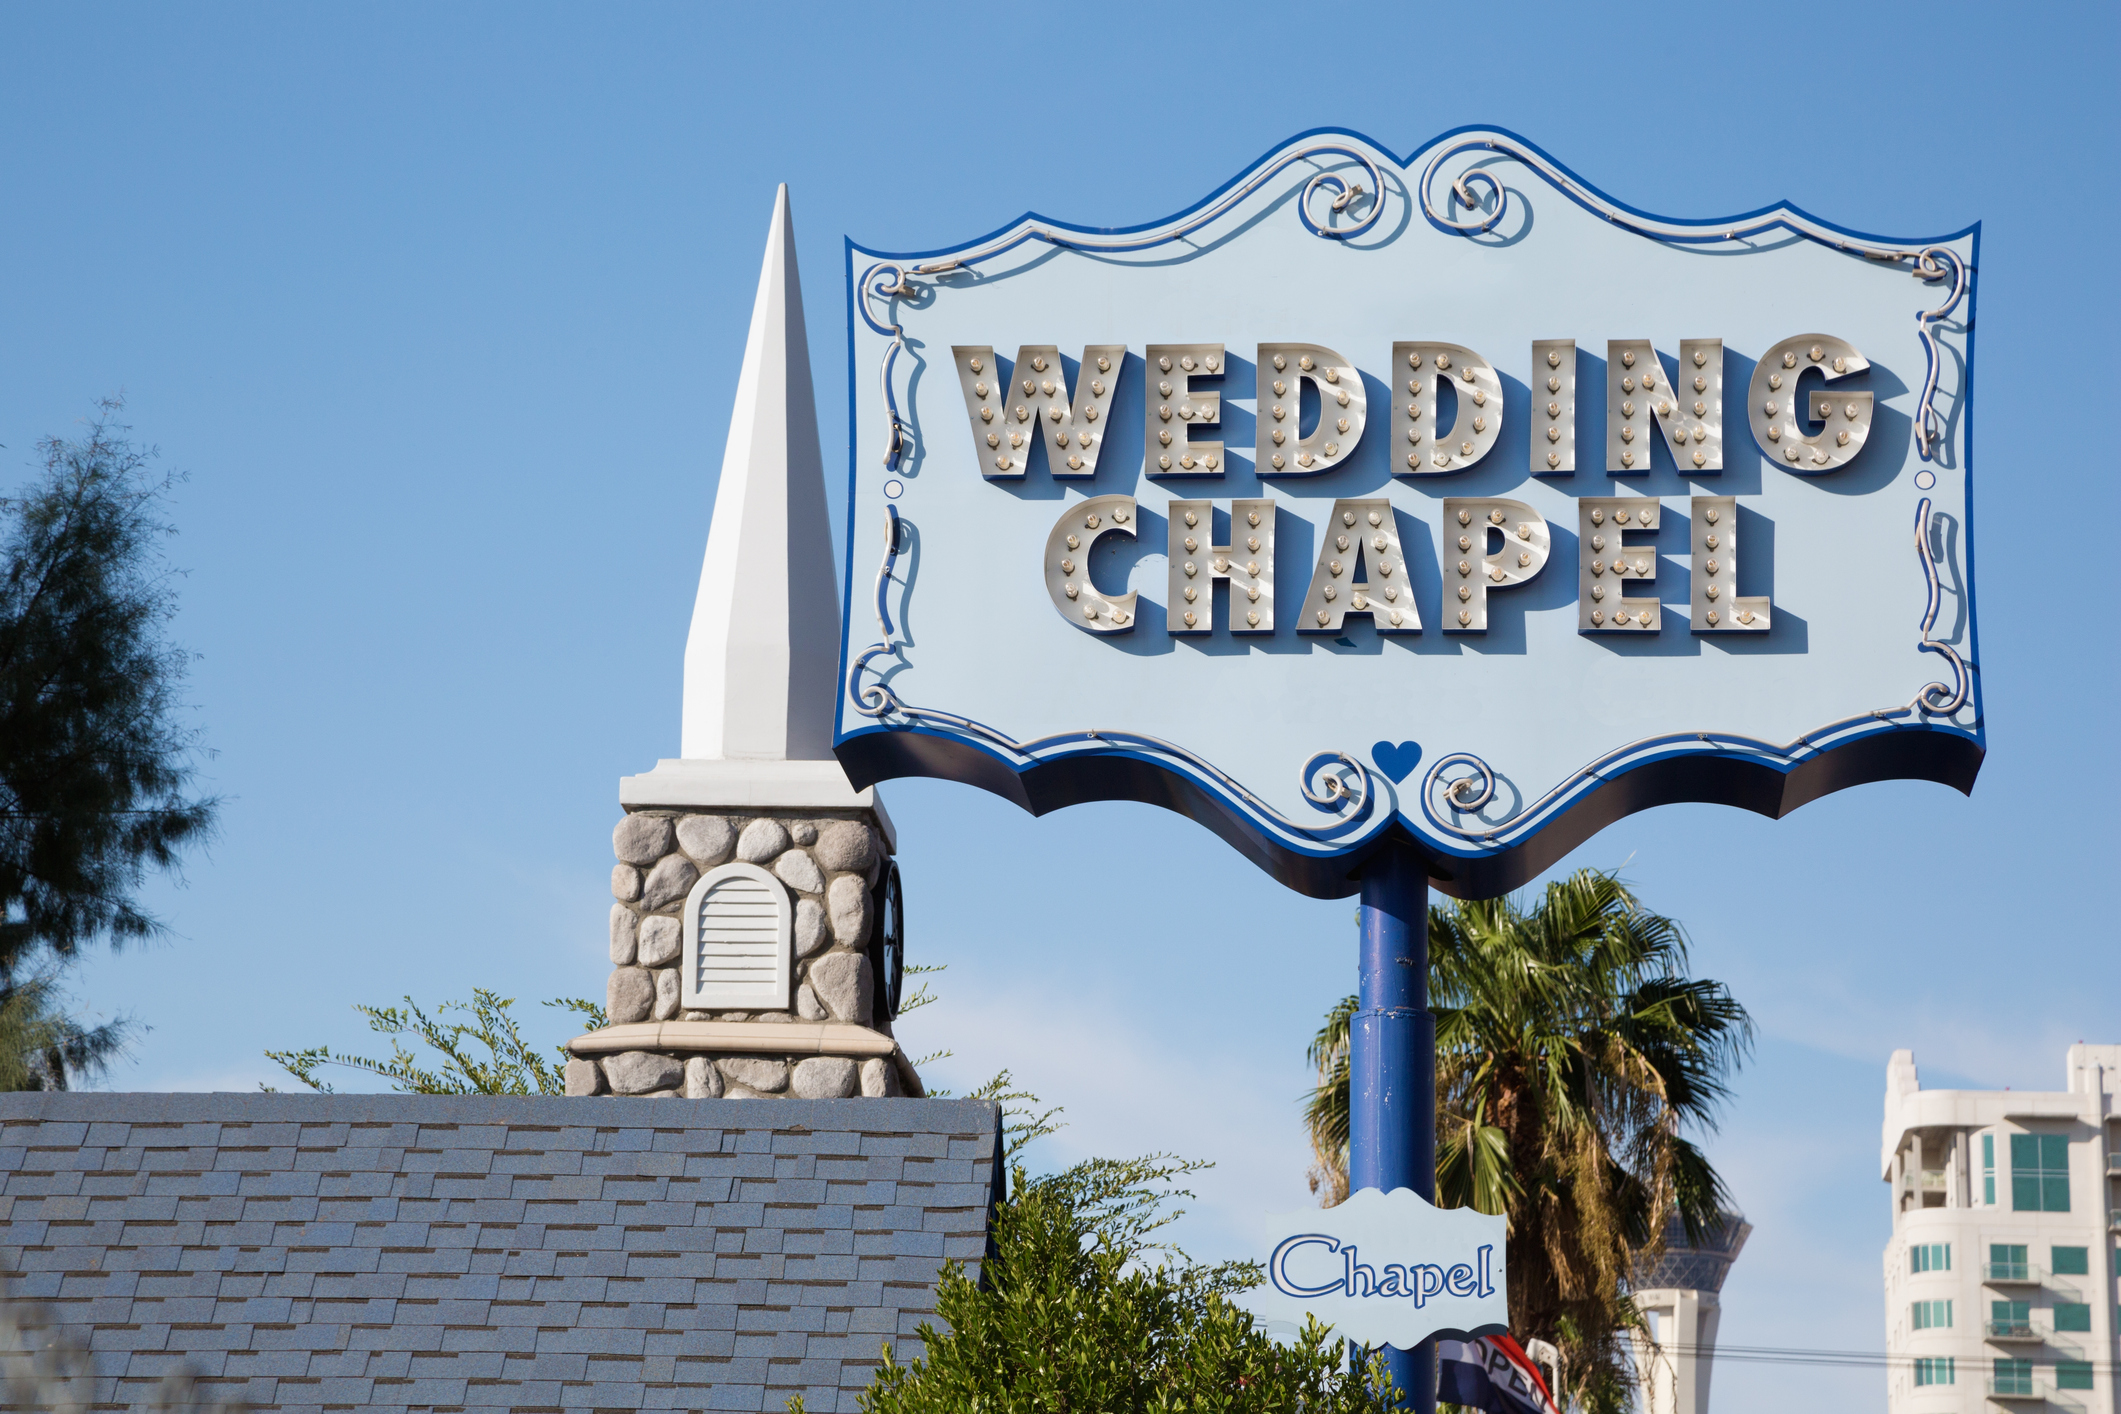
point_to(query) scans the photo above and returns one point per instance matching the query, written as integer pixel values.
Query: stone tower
(754, 937)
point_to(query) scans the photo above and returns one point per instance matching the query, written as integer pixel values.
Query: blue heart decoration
(1399, 761)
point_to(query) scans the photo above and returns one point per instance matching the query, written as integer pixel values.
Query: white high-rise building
(1999, 1279)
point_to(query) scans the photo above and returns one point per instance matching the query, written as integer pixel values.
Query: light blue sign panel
(1485, 365)
(1385, 1269)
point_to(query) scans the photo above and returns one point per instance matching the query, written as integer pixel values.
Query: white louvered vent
(737, 940)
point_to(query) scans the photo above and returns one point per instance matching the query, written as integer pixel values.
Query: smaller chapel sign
(1385, 1269)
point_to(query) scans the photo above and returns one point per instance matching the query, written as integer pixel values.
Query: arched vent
(738, 930)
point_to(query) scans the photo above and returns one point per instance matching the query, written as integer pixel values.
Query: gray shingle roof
(310, 1252)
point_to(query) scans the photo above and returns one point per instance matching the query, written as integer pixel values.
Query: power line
(1841, 1359)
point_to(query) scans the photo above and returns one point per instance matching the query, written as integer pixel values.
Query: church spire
(762, 659)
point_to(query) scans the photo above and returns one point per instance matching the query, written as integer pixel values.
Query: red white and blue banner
(1492, 1374)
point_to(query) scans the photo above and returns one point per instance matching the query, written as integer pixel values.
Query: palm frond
(1572, 1048)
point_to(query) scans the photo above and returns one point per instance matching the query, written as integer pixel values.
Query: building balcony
(2012, 1331)
(2026, 1388)
(2113, 1165)
(2010, 1273)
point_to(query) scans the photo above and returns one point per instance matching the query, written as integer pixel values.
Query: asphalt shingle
(394, 1252)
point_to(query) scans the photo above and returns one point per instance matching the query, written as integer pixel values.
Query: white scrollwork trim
(1469, 794)
(874, 699)
(892, 280)
(1932, 263)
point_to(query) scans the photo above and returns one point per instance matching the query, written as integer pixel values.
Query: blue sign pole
(1392, 1064)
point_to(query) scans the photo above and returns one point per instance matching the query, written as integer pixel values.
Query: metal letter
(1717, 607)
(1421, 447)
(1607, 566)
(1067, 565)
(1640, 398)
(1247, 562)
(1034, 405)
(1470, 569)
(1778, 420)
(1553, 407)
(1283, 370)
(1360, 537)
(1172, 409)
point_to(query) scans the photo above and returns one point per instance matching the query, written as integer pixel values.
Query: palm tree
(1571, 1049)
(41, 1046)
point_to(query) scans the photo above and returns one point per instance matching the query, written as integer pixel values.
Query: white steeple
(762, 658)
(763, 654)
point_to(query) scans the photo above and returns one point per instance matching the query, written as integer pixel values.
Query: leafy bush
(512, 1065)
(1068, 1316)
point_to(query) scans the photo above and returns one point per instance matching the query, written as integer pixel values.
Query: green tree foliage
(510, 1065)
(96, 757)
(1572, 1050)
(40, 1045)
(1069, 1316)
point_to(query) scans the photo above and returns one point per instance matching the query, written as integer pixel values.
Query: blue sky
(441, 309)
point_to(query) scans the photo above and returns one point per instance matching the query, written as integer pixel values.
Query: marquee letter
(1772, 405)
(1554, 421)
(1278, 1269)
(1717, 607)
(1196, 565)
(1006, 419)
(1283, 368)
(1605, 562)
(1459, 1280)
(1068, 564)
(1431, 450)
(1469, 524)
(1357, 527)
(1486, 1258)
(1690, 411)
(1174, 407)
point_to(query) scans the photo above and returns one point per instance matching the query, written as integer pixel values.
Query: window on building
(2012, 1377)
(2073, 1374)
(1988, 1169)
(2072, 1316)
(2072, 1261)
(2010, 1317)
(2039, 1173)
(1931, 1257)
(1933, 1371)
(2006, 1262)
(1932, 1315)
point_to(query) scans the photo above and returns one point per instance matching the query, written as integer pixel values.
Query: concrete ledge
(763, 785)
(804, 1038)
(968, 1118)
